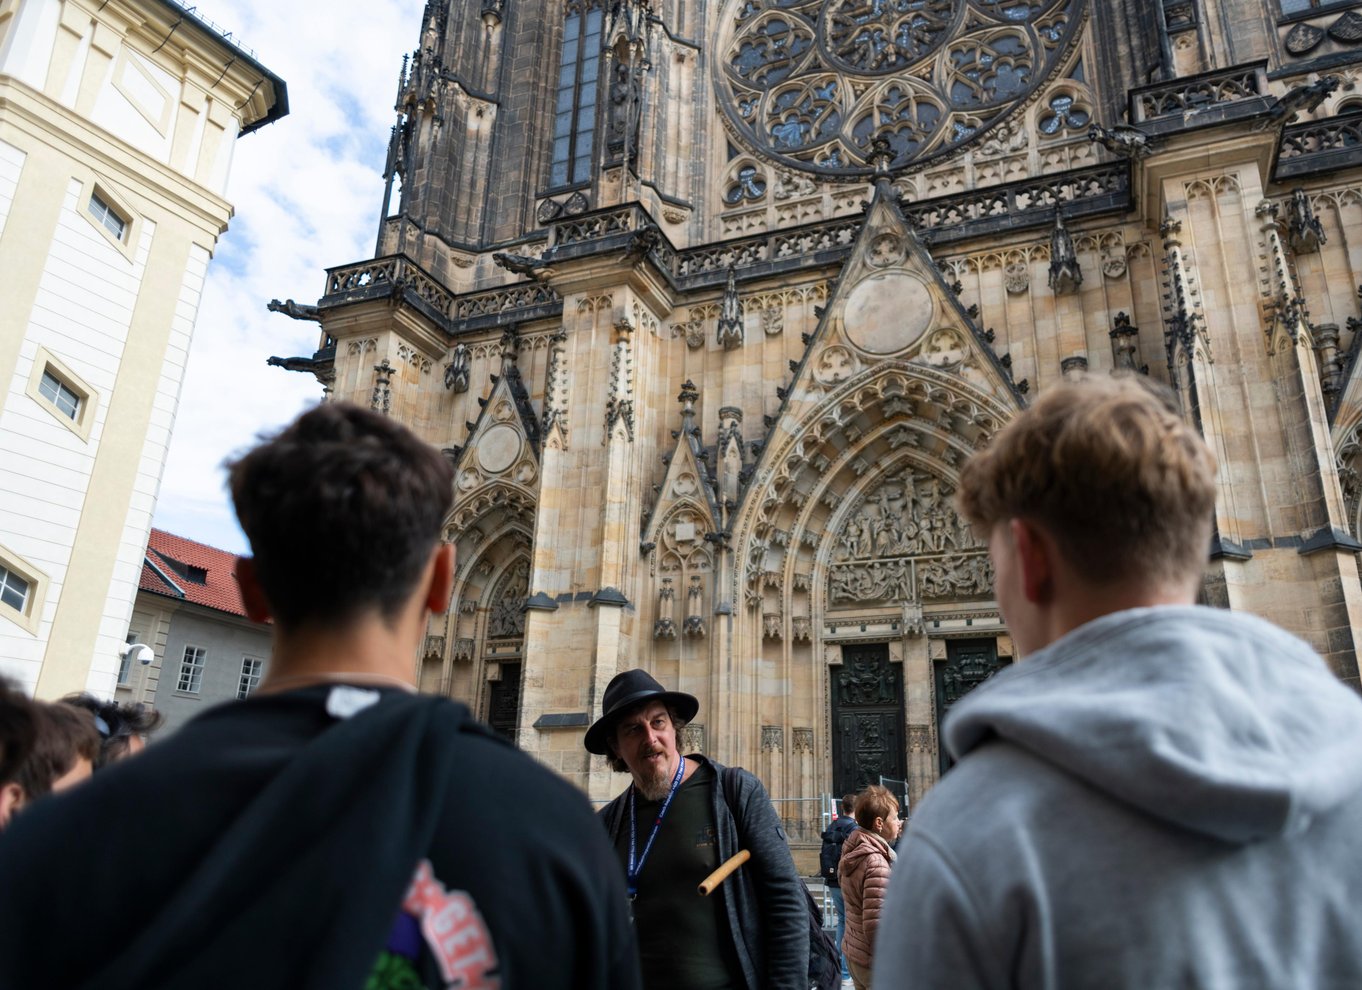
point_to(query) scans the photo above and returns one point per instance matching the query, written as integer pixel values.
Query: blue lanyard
(636, 861)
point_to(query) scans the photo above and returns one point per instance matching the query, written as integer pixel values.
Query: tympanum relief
(904, 541)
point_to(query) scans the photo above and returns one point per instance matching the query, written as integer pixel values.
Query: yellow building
(117, 126)
(710, 302)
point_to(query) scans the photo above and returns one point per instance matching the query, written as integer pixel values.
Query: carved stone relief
(834, 365)
(693, 738)
(506, 616)
(904, 541)
(772, 738)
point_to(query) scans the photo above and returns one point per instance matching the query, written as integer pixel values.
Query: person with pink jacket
(863, 871)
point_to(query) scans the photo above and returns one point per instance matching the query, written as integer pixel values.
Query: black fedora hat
(625, 690)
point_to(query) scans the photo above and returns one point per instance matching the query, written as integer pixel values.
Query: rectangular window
(124, 668)
(56, 392)
(191, 670)
(574, 122)
(13, 590)
(250, 676)
(106, 216)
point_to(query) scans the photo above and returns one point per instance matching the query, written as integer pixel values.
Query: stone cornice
(37, 115)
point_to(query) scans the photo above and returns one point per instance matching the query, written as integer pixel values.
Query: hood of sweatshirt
(1214, 721)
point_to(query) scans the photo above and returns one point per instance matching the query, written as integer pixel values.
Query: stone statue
(457, 371)
(1065, 274)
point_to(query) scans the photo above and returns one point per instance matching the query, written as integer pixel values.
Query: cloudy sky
(307, 192)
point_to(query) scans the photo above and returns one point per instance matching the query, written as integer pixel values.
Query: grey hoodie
(1165, 797)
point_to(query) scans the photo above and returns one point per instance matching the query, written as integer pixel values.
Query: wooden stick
(725, 869)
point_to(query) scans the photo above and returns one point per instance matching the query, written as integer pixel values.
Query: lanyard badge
(635, 860)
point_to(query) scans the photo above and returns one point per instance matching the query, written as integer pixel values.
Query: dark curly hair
(342, 509)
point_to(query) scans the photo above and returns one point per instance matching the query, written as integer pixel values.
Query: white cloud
(307, 193)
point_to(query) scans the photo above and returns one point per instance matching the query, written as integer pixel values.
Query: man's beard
(657, 784)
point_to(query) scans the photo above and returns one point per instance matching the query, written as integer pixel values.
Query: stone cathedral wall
(708, 406)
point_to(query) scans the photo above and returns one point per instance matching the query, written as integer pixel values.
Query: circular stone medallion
(498, 448)
(889, 312)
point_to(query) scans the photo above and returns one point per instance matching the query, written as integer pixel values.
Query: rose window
(812, 83)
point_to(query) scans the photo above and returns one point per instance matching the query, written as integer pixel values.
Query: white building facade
(117, 126)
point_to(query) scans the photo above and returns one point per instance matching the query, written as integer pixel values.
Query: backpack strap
(728, 779)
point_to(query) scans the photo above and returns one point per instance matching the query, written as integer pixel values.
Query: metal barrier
(804, 819)
(899, 788)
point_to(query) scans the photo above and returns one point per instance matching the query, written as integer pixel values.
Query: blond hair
(1110, 471)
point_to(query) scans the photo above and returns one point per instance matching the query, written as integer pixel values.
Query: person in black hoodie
(318, 834)
(828, 858)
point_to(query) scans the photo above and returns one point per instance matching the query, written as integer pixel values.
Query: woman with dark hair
(122, 729)
(863, 872)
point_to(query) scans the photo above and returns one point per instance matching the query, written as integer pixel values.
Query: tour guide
(679, 820)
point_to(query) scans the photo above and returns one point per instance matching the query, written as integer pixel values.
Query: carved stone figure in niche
(626, 84)
(665, 626)
(1125, 344)
(1305, 230)
(694, 626)
(773, 320)
(730, 331)
(1016, 278)
(730, 452)
(457, 371)
(1065, 275)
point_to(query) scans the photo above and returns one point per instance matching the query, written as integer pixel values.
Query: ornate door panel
(867, 718)
(968, 663)
(503, 701)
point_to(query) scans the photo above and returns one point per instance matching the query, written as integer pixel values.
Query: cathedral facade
(709, 300)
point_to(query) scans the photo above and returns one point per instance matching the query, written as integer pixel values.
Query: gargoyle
(643, 241)
(1306, 97)
(1122, 140)
(537, 268)
(294, 311)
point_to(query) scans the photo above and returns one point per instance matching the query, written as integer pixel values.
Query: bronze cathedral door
(867, 718)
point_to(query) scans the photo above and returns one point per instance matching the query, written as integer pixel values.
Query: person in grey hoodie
(1158, 794)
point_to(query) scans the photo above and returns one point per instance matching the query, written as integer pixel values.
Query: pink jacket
(863, 872)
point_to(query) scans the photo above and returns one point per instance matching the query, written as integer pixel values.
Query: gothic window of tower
(575, 106)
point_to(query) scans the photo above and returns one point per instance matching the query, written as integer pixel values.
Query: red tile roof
(190, 571)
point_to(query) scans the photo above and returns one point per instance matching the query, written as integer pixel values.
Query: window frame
(28, 617)
(193, 668)
(115, 205)
(108, 217)
(46, 363)
(249, 679)
(1315, 8)
(576, 135)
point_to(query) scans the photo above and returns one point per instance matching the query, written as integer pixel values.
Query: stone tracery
(805, 80)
